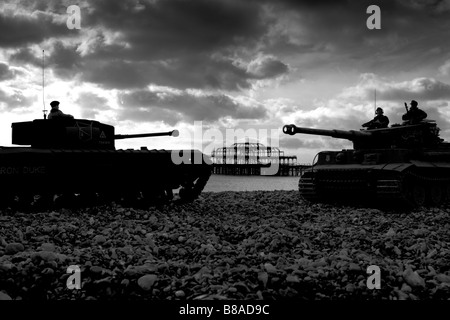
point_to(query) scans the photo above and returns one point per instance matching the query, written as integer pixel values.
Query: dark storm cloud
(18, 30)
(152, 114)
(201, 72)
(423, 88)
(338, 30)
(182, 74)
(181, 44)
(65, 60)
(173, 28)
(6, 73)
(433, 6)
(267, 67)
(25, 56)
(188, 106)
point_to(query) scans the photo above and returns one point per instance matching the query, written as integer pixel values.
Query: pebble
(263, 277)
(354, 267)
(13, 248)
(406, 288)
(292, 279)
(48, 271)
(413, 278)
(48, 247)
(4, 296)
(140, 270)
(146, 282)
(127, 250)
(99, 239)
(390, 233)
(270, 268)
(6, 266)
(443, 278)
(179, 293)
(96, 269)
(350, 287)
(402, 295)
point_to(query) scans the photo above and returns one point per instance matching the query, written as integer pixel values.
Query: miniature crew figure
(380, 121)
(56, 113)
(414, 114)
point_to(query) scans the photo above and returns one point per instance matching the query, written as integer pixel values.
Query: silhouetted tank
(78, 156)
(406, 163)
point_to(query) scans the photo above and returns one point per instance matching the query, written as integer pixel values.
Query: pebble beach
(253, 245)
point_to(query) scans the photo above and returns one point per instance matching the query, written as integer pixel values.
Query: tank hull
(31, 171)
(412, 178)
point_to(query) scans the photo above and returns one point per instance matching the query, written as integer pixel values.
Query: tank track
(409, 188)
(417, 189)
(86, 184)
(188, 192)
(332, 185)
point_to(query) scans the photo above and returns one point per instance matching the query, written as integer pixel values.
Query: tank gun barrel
(340, 134)
(173, 133)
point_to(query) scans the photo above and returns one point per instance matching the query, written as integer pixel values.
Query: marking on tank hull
(38, 170)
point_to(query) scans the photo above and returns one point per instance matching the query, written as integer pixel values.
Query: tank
(66, 156)
(405, 164)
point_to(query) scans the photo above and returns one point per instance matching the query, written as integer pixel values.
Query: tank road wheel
(129, 198)
(43, 200)
(64, 200)
(88, 199)
(187, 194)
(446, 191)
(6, 200)
(417, 194)
(169, 194)
(435, 195)
(25, 200)
(155, 197)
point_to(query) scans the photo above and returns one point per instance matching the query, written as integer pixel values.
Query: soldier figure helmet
(54, 104)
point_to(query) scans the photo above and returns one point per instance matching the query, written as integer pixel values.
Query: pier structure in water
(253, 158)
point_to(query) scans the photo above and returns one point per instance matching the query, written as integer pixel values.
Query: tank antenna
(375, 101)
(43, 83)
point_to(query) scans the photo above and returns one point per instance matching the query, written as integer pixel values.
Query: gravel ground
(227, 245)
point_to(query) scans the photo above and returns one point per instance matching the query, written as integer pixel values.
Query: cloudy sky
(154, 65)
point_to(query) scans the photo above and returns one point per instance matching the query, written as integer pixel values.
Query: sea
(219, 182)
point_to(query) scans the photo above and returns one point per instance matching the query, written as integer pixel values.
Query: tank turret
(72, 133)
(423, 134)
